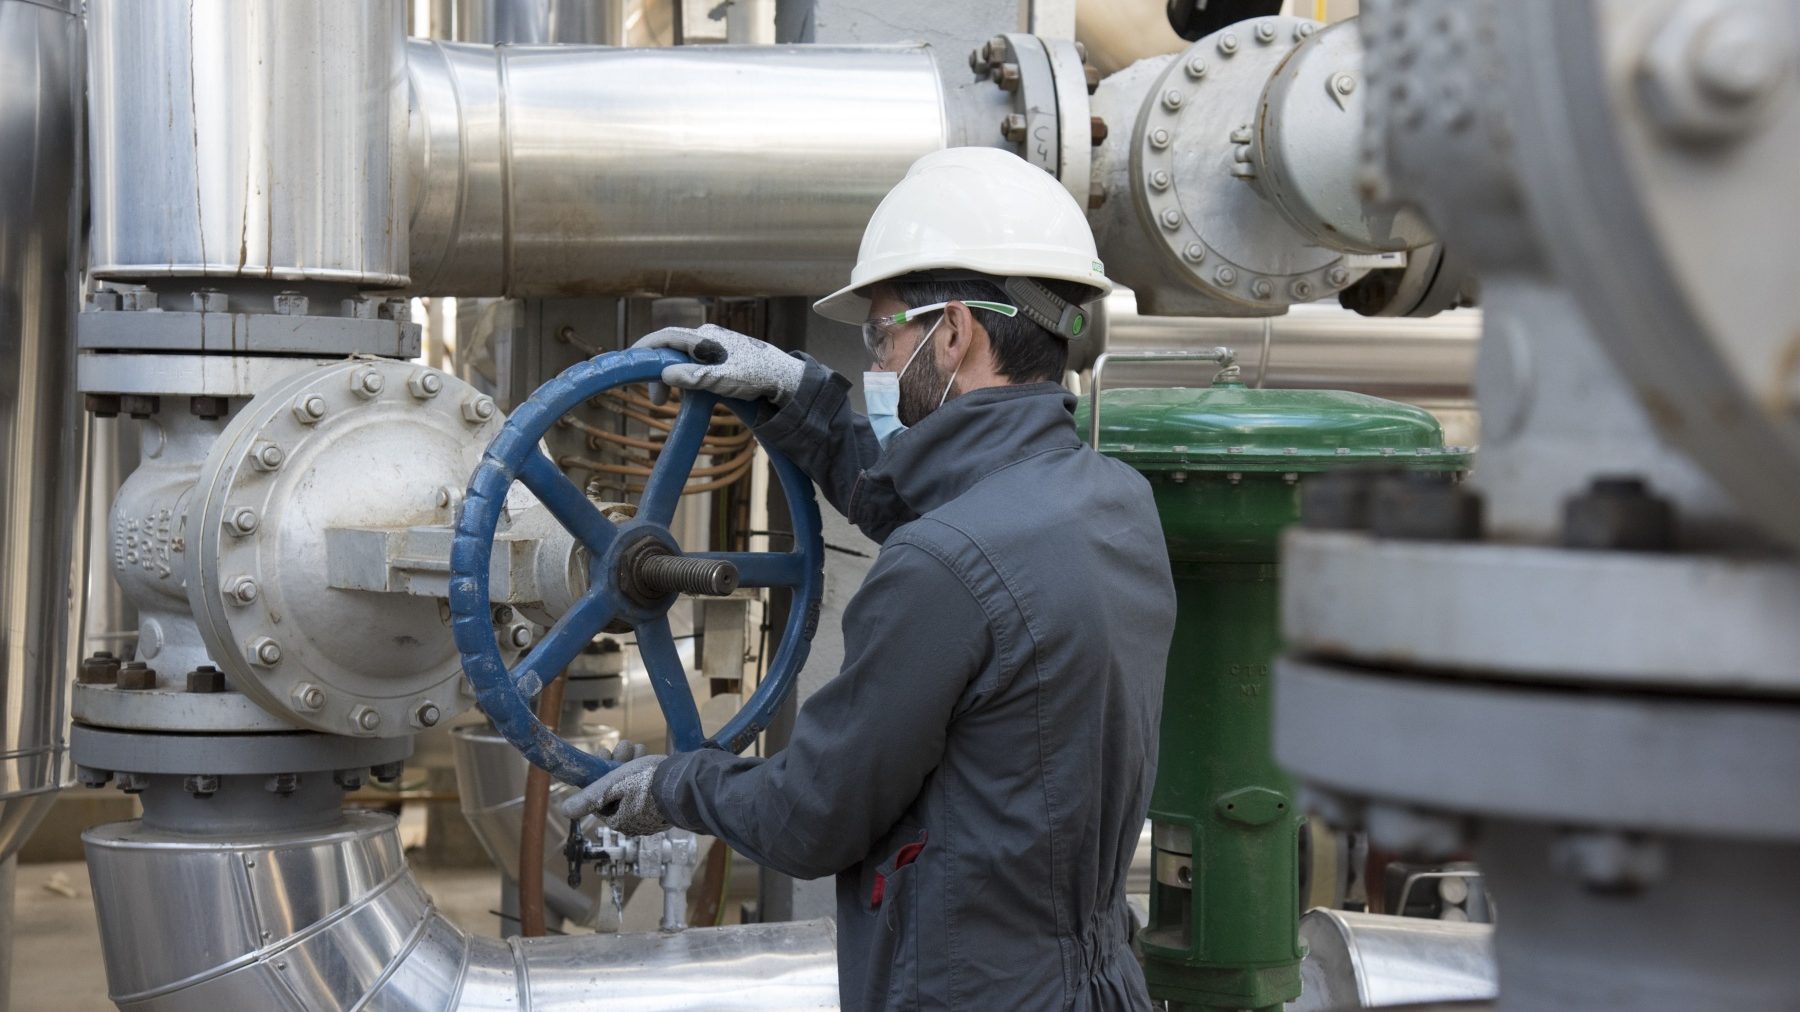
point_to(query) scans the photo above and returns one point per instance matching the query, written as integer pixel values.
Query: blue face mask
(881, 395)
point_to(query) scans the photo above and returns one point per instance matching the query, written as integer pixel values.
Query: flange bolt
(100, 669)
(242, 521)
(307, 696)
(425, 384)
(267, 457)
(427, 715)
(478, 409)
(265, 651)
(244, 590)
(365, 718)
(309, 409)
(367, 383)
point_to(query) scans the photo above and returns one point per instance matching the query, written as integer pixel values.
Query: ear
(961, 342)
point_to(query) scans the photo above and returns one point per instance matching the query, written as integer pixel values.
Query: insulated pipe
(331, 918)
(1313, 346)
(43, 543)
(573, 170)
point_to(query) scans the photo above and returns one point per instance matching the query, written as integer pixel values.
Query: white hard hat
(980, 210)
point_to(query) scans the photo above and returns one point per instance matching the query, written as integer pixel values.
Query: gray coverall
(978, 773)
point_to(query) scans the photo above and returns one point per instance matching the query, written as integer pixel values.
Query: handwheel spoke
(656, 644)
(564, 642)
(663, 488)
(762, 569)
(568, 504)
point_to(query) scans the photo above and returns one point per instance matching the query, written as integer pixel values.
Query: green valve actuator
(1225, 463)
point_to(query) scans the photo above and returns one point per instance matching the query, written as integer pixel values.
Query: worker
(977, 773)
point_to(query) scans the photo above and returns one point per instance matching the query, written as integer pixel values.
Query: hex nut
(1171, 218)
(1225, 276)
(1710, 68)
(1424, 506)
(520, 636)
(1012, 128)
(427, 714)
(309, 408)
(133, 783)
(1338, 277)
(425, 384)
(100, 669)
(267, 457)
(367, 383)
(387, 772)
(1160, 179)
(1262, 288)
(265, 652)
(1196, 67)
(282, 783)
(140, 406)
(1228, 43)
(243, 521)
(88, 776)
(206, 678)
(290, 304)
(243, 590)
(349, 780)
(364, 718)
(210, 300)
(136, 675)
(307, 696)
(208, 407)
(478, 409)
(1619, 513)
(201, 785)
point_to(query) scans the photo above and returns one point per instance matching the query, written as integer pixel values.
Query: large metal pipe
(249, 139)
(42, 546)
(550, 171)
(330, 918)
(1358, 960)
(1314, 345)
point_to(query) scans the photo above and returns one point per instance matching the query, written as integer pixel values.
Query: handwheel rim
(514, 455)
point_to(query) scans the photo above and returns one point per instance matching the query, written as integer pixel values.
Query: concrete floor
(56, 948)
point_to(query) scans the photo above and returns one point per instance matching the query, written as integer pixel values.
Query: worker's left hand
(622, 798)
(726, 363)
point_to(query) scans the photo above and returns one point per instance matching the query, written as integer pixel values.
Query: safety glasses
(876, 330)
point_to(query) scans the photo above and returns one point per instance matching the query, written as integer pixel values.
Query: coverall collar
(968, 439)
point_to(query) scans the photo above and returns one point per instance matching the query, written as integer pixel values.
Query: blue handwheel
(636, 570)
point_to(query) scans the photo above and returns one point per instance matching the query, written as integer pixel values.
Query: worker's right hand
(622, 799)
(726, 363)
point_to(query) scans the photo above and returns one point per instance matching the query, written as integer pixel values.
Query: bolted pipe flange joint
(1415, 833)
(1610, 863)
(1619, 514)
(364, 719)
(1712, 69)
(1424, 506)
(201, 785)
(307, 696)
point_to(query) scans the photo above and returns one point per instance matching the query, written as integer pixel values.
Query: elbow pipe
(331, 918)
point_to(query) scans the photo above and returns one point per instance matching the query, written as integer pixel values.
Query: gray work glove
(622, 798)
(726, 363)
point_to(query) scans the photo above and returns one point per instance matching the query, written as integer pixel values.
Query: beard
(922, 388)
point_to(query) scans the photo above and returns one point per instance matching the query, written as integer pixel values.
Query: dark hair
(1024, 352)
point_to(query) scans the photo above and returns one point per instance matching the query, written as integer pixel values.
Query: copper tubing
(531, 835)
